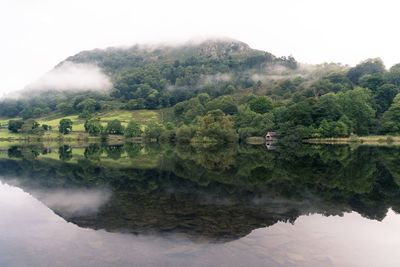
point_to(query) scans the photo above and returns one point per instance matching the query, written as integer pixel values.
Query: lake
(158, 205)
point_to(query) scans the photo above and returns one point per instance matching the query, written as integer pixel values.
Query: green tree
(65, 126)
(31, 126)
(391, 118)
(224, 103)
(372, 81)
(261, 104)
(369, 66)
(153, 131)
(115, 127)
(26, 113)
(46, 127)
(325, 128)
(93, 127)
(249, 123)
(65, 108)
(328, 107)
(357, 106)
(203, 98)
(394, 75)
(188, 110)
(216, 127)
(333, 128)
(133, 129)
(384, 97)
(184, 134)
(299, 113)
(15, 126)
(134, 104)
(87, 106)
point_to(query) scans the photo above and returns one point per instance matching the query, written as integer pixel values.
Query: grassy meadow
(143, 117)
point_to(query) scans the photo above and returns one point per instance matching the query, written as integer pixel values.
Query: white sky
(38, 34)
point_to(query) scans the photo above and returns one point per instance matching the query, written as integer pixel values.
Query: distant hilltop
(113, 59)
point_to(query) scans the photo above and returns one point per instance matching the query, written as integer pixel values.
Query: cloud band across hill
(71, 76)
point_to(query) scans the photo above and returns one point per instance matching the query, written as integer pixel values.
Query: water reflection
(70, 203)
(199, 192)
(212, 197)
(32, 235)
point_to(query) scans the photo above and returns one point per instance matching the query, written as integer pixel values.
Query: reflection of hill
(196, 218)
(217, 195)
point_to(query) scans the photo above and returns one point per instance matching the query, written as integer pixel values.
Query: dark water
(136, 205)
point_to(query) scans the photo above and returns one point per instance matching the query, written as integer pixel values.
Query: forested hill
(165, 75)
(226, 84)
(219, 55)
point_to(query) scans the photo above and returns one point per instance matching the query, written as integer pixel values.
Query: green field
(78, 124)
(143, 117)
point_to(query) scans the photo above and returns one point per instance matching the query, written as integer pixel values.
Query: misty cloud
(216, 78)
(74, 77)
(306, 71)
(276, 72)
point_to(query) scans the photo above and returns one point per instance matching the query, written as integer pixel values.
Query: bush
(133, 130)
(46, 127)
(115, 127)
(65, 126)
(15, 125)
(153, 131)
(184, 134)
(93, 127)
(216, 127)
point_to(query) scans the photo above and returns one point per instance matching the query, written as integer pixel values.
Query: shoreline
(360, 140)
(254, 140)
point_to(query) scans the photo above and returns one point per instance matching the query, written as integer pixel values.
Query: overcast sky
(38, 34)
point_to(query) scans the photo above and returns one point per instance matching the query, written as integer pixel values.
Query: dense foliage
(255, 91)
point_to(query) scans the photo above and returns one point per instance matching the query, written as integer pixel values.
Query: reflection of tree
(65, 152)
(249, 159)
(391, 160)
(26, 152)
(342, 169)
(46, 150)
(219, 159)
(14, 152)
(93, 152)
(114, 151)
(133, 149)
(214, 158)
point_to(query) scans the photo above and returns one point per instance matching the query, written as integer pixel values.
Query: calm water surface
(134, 205)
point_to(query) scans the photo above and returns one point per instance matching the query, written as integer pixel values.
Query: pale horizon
(39, 34)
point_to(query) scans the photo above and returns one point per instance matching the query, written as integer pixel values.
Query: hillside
(217, 90)
(114, 60)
